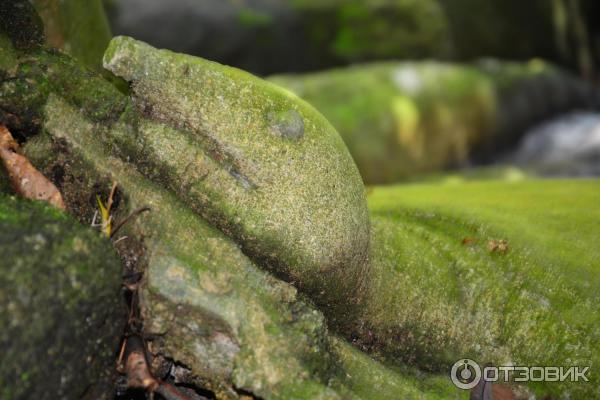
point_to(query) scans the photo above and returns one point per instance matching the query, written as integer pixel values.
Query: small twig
(111, 197)
(120, 239)
(128, 218)
(94, 224)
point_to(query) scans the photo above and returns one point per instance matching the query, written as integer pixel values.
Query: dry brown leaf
(26, 180)
(500, 246)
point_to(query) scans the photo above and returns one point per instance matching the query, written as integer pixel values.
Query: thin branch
(128, 218)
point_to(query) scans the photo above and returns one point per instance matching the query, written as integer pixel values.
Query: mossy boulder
(215, 318)
(60, 307)
(403, 119)
(503, 272)
(255, 161)
(440, 256)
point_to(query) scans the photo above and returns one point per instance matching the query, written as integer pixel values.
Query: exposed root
(26, 180)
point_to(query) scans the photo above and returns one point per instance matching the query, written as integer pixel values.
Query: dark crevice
(247, 393)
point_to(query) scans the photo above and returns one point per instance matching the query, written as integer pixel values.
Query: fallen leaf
(26, 180)
(468, 241)
(500, 246)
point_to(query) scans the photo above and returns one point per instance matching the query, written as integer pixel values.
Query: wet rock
(293, 200)
(60, 305)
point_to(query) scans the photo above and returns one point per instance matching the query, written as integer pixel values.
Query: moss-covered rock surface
(255, 161)
(246, 185)
(60, 309)
(227, 324)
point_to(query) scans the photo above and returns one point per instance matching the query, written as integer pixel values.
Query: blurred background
(415, 87)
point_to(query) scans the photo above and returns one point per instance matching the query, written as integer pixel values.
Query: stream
(568, 145)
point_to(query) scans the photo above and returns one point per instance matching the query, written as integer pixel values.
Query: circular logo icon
(465, 374)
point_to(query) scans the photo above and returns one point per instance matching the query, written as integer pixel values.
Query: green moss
(32, 76)
(440, 293)
(369, 379)
(254, 160)
(212, 309)
(401, 119)
(349, 31)
(59, 304)
(227, 319)
(80, 28)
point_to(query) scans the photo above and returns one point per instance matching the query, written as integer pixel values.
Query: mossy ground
(439, 293)
(443, 292)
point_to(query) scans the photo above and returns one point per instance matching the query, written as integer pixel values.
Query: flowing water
(568, 145)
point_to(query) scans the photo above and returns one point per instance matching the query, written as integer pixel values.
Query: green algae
(255, 161)
(60, 311)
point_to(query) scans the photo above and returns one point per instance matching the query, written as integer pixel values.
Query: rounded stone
(296, 206)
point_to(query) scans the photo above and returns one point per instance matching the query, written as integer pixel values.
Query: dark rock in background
(269, 36)
(274, 36)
